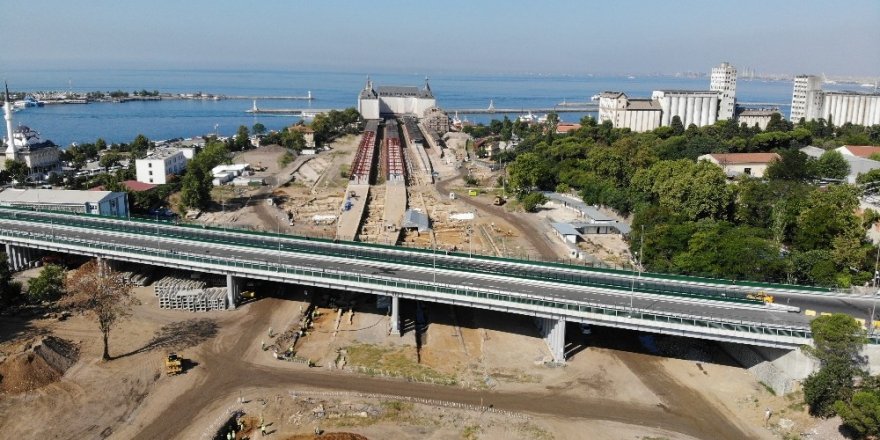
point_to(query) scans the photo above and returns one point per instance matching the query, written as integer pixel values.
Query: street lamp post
(632, 294)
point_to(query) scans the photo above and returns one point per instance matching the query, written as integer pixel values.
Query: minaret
(11, 153)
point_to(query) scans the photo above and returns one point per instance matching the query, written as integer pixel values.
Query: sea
(173, 118)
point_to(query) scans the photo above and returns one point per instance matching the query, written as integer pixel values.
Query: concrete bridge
(553, 294)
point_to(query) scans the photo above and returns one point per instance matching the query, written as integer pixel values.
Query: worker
(263, 345)
(262, 429)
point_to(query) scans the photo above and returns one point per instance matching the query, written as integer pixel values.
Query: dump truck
(173, 365)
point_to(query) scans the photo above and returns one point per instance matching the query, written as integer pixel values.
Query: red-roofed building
(735, 164)
(566, 127)
(863, 151)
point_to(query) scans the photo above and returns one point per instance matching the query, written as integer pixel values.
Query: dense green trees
(335, 122)
(837, 342)
(696, 220)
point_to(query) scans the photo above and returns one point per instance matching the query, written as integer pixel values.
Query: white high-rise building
(723, 80)
(159, 165)
(806, 100)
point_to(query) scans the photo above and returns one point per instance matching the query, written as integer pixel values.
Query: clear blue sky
(839, 37)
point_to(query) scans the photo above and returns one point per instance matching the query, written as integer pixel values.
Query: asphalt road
(859, 307)
(502, 283)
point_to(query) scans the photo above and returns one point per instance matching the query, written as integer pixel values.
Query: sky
(839, 37)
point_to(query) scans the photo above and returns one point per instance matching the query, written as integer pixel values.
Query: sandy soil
(610, 392)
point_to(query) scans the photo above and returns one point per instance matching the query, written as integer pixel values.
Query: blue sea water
(122, 122)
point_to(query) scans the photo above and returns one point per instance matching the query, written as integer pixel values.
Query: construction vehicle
(498, 201)
(761, 296)
(173, 365)
(247, 294)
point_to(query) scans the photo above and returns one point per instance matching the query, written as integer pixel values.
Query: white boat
(528, 118)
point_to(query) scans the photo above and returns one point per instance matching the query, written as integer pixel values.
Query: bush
(532, 201)
(48, 285)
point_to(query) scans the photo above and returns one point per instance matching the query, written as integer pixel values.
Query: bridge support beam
(395, 315)
(553, 332)
(9, 257)
(233, 291)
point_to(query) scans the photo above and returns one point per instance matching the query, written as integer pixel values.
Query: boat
(630, 77)
(456, 122)
(528, 118)
(867, 85)
(28, 101)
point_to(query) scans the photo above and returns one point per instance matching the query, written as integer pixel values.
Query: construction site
(297, 362)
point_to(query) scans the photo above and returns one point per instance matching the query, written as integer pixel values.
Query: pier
(484, 111)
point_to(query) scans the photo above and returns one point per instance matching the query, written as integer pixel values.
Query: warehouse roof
(52, 196)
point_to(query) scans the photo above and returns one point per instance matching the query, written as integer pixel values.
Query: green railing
(389, 284)
(386, 254)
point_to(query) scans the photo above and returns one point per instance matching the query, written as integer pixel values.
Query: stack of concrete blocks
(170, 284)
(195, 300)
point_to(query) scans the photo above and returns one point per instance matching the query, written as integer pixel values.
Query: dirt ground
(608, 388)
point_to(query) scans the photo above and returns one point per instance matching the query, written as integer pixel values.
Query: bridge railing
(390, 284)
(90, 221)
(393, 255)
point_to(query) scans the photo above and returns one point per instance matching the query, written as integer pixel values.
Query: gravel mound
(40, 363)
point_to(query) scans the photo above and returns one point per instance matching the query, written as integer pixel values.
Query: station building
(395, 101)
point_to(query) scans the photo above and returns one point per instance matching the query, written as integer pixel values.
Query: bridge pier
(395, 315)
(553, 332)
(233, 290)
(18, 257)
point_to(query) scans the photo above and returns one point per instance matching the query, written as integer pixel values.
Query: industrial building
(106, 203)
(636, 114)
(753, 117)
(159, 165)
(810, 102)
(698, 107)
(395, 101)
(691, 106)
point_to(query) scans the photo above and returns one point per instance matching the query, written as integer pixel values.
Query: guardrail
(395, 256)
(6, 212)
(388, 284)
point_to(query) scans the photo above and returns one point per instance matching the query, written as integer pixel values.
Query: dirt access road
(682, 412)
(531, 234)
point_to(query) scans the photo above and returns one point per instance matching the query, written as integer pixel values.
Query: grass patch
(534, 432)
(470, 432)
(393, 362)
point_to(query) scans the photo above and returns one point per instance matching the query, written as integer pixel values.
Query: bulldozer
(173, 365)
(761, 296)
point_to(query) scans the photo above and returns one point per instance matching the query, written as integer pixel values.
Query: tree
(532, 201)
(139, 147)
(242, 139)
(195, 191)
(831, 165)
(10, 291)
(837, 341)
(101, 293)
(258, 128)
(109, 160)
(18, 170)
(697, 190)
(677, 126)
(792, 165)
(48, 285)
(777, 123)
(828, 214)
(862, 414)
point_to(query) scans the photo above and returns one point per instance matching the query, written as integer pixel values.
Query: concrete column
(666, 106)
(231, 291)
(553, 330)
(713, 110)
(688, 118)
(9, 255)
(395, 315)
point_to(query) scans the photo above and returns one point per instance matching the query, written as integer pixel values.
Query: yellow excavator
(761, 296)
